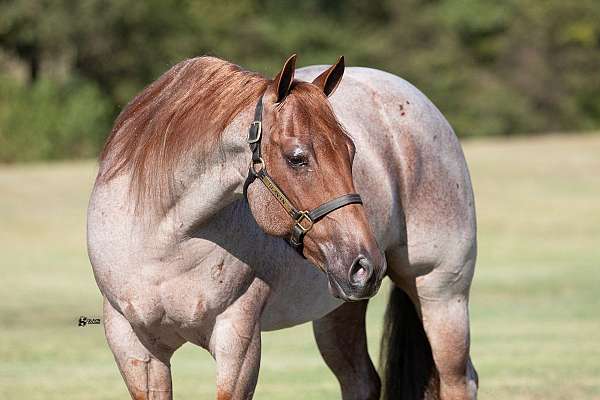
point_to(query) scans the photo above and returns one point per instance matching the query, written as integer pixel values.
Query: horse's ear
(329, 80)
(283, 80)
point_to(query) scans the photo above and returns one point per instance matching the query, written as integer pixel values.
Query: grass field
(535, 303)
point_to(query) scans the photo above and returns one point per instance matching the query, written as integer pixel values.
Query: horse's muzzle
(363, 281)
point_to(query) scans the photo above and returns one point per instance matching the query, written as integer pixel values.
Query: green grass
(535, 302)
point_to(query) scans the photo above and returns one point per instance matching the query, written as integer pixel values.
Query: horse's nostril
(361, 271)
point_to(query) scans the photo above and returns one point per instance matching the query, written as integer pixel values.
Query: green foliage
(493, 68)
(50, 121)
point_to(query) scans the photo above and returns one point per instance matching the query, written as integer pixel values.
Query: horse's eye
(297, 160)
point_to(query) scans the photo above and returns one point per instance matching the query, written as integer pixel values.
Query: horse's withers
(310, 157)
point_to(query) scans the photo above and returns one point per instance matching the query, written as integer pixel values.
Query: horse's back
(409, 167)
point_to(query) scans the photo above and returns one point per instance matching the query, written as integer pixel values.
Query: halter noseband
(304, 220)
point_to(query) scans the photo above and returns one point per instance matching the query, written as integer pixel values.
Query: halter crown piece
(304, 220)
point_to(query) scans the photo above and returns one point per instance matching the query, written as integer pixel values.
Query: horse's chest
(299, 293)
(187, 292)
(203, 280)
(195, 298)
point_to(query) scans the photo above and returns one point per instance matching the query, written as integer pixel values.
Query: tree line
(493, 68)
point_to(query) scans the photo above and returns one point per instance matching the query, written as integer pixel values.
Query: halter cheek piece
(304, 220)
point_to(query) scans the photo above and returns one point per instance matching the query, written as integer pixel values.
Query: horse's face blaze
(307, 153)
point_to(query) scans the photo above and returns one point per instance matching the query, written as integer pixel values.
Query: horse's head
(307, 154)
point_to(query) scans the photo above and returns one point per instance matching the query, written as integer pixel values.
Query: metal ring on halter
(253, 165)
(304, 217)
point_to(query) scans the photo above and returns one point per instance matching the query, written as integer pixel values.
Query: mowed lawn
(535, 303)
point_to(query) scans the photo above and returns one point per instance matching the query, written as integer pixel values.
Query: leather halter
(304, 220)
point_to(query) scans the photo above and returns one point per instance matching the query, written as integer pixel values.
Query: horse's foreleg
(342, 341)
(235, 345)
(147, 373)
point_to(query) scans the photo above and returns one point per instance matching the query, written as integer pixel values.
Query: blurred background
(494, 68)
(518, 80)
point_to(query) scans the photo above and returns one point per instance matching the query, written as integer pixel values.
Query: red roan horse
(182, 252)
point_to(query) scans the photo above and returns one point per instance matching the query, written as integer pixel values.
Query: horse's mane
(179, 116)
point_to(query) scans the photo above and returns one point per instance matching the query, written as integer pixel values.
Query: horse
(210, 166)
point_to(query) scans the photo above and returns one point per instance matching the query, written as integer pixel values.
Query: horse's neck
(215, 184)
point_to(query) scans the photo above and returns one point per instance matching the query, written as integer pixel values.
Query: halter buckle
(304, 218)
(256, 129)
